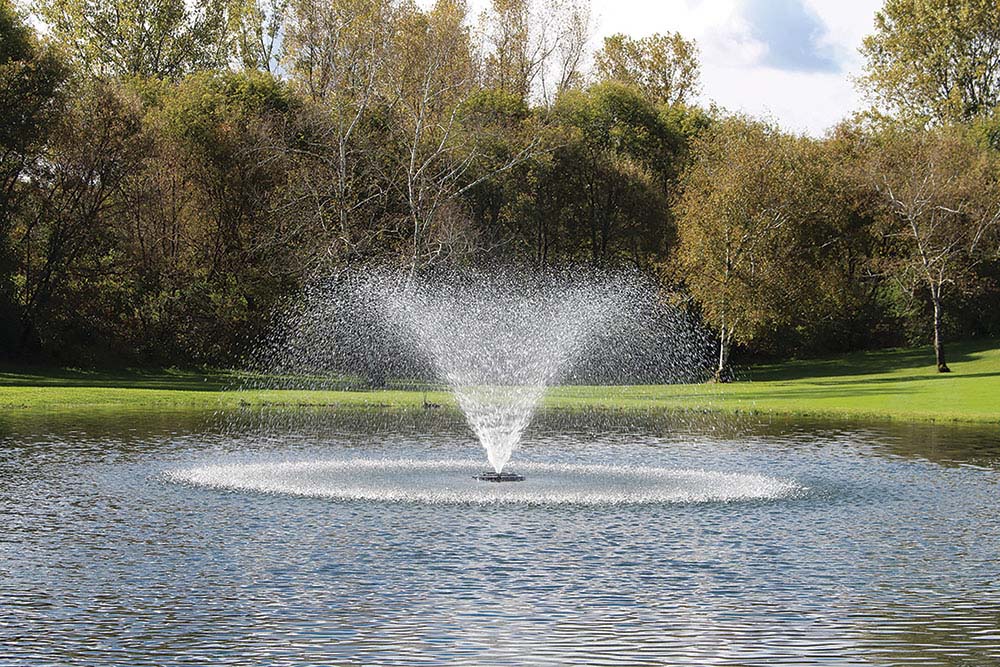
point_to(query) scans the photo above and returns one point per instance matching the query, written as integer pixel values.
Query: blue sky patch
(793, 35)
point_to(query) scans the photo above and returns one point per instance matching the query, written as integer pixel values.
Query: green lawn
(889, 384)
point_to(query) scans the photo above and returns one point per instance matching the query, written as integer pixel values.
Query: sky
(790, 61)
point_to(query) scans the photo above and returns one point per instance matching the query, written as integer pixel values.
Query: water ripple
(889, 557)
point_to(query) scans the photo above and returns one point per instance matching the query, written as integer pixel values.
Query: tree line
(171, 170)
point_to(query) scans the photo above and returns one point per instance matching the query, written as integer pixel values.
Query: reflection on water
(888, 558)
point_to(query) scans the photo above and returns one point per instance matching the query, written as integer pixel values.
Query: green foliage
(254, 28)
(18, 42)
(218, 169)
(936, 60)
(762, 224)
(210, 107)
(153, 38)
(31, 83)
(664, 68)
(61, 233)
(162, 187)
(985, 130)
(616, 117)
(494, 106)
(939, 190)
(687, 122)
(31, 78)
(614, 175)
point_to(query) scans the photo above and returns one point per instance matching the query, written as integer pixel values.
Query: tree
(664, 67)
(340, 47)
(499, 203)
(840, 243)
(739, 221)
(941, 194)
(513, 61)
(211, 235)
(435, 74)
(598, 187)
(439, 133)
(573, 30)
(937, 60)
(61, 236)
(255, 29)
(31, 86)
(152, 38)
(614, 175)
(534, 48)
(339, 53)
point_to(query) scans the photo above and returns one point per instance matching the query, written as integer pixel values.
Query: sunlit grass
(894, 384)
(888, 384)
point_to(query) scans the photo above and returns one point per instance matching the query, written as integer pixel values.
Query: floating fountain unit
(492, 476)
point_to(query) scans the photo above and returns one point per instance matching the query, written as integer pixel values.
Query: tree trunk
(938, 343)
(722, 373)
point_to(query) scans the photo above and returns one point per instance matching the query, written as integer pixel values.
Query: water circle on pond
(452, 481)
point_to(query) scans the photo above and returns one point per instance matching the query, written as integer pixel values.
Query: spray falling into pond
(498, 339)
(499, 344)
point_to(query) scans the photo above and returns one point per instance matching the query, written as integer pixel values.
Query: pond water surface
(880, 545)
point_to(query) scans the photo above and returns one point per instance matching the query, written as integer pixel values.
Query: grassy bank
(888, 384)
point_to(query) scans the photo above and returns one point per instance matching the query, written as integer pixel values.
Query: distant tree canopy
(32, 79)
(744, 221)
(534, 48)
(122, 38)
(172, 171)
(664, 67)
(941, 194)
(935, 59)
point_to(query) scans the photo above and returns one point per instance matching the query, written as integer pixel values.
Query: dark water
(889, 554)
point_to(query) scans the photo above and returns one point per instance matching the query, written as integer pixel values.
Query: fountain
(498, 339)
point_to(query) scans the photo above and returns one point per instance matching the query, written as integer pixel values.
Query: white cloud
(737, 73)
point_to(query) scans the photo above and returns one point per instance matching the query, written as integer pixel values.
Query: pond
(848, 544)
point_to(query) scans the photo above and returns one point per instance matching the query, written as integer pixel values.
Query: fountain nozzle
(499, 477)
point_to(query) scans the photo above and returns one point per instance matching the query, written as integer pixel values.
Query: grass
(887, 384)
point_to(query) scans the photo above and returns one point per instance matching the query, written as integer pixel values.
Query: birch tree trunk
(722, 370)
(942, 366)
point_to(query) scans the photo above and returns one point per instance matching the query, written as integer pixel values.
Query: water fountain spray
(499, 338)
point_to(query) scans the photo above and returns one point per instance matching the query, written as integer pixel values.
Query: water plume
(498, 338)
